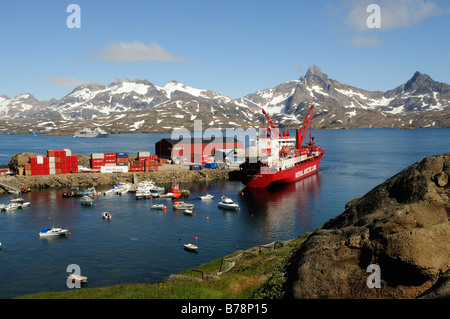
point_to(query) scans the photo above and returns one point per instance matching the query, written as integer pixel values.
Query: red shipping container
(50, 153)
(74, 158)
(33, 160)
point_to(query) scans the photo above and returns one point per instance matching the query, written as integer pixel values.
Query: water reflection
(281, 209)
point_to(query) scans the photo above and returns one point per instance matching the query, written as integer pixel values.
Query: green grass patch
(255, 276)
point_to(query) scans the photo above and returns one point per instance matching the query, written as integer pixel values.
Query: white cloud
(135, 52)
(394, 14)
(65, 81)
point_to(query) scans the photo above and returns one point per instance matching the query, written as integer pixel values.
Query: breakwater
(64, 181)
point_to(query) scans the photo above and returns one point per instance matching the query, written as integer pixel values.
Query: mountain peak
(314, 69)
(417, 81)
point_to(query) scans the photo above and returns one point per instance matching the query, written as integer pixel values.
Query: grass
(255, 276)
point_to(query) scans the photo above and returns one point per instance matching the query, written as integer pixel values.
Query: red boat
(277, 158)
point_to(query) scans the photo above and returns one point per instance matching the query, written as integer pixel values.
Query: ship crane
(301, 134)
(270, 124)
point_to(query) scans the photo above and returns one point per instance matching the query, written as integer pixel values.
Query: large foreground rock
(402, 225)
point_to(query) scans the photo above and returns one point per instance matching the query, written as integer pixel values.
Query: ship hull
(263, 180)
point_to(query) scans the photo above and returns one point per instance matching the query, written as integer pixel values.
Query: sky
(234, 48)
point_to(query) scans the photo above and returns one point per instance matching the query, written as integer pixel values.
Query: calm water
(144, 245)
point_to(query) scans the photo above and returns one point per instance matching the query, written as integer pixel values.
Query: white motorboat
(11, 206)
(188, 212)
(159, 206)
(142, 194)
(207, 197)
(182, 206)
(190, 247)
(106, 215)
(86, 200)
(227, 203)
(53, 231)
(19, 202)
(166, 195)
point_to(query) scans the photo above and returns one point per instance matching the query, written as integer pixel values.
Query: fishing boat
(87, 200)
(277, 158)
(53, 232)
(86, 132)
(90, 192)
(182, 206)
(207, 197)
(227, 203)
(106, 215)
(190, 247)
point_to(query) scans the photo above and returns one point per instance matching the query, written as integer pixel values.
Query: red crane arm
(302, 132)
(269, 121)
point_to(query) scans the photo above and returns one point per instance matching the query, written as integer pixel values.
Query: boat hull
(263, 180)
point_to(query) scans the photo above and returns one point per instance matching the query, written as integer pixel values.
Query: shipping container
(195, 167)
(97, 156)
(212, 165)
(122, 155)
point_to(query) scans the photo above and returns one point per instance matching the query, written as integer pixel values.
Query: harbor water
(140, 244)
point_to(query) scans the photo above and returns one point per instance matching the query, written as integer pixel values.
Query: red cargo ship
(277, 158)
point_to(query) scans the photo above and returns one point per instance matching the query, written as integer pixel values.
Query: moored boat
(182, 206)
(207, 197)
(53, 232)
(227, 203)
(277, 158)
(86, 200)
(190, 247)
(106, 215)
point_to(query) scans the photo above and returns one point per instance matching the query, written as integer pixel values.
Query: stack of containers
(62, 162)
(110, 159)
(97, 160)
(143, 156)
(151, 166)
(38, 165)
(122, 159)
(137, 166)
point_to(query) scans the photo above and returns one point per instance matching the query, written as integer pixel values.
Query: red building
(193, 147)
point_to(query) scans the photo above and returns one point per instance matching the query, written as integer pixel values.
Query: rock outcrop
(402, 225)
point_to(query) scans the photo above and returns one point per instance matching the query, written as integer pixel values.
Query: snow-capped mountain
(340, 105)
(139, 105)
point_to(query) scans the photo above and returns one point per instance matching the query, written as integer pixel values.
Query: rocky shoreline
(64, 181)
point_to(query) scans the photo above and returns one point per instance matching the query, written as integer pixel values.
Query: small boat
(143, 194)
(106, 215)
(158, 206)
(86, 200)
(188, 212)
(74, 192)
(25, 189)
(166, 195)
(11, 206)
(90, 192)
(227, 203)
(52, 231)
(81, 279)
(182, 205)
(17, 203)
(207, 197)
(190, 247)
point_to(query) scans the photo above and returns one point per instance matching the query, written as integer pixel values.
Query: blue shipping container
(210, 165)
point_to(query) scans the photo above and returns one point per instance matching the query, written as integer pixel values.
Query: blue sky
(231, 47)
